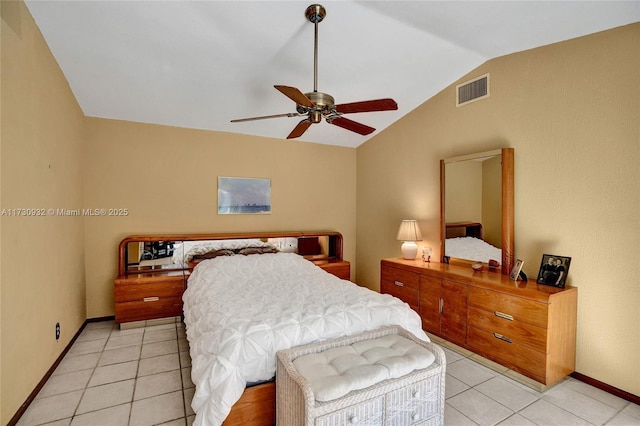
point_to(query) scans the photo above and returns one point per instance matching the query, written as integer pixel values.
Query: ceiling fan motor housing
(323, 104)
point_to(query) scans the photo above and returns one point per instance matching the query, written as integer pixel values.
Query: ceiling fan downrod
(315, 14)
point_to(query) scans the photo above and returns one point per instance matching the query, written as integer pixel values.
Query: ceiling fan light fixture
(315, 116)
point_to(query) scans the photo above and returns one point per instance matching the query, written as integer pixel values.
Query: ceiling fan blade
(299, 129)
(354, 126)
(367, 106)
(264, 117)
(295, 95)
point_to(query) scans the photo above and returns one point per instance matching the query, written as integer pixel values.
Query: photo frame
(244, 195)
(553, 270)
(517, 268)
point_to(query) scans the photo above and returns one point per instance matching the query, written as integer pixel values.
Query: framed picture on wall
(244, 195)
(553, 270)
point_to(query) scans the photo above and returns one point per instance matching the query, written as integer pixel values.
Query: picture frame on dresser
(553, 270)
(517, 268)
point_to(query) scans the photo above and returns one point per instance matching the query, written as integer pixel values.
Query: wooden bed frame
(257, 405)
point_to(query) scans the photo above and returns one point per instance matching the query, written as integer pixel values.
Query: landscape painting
(244, 195)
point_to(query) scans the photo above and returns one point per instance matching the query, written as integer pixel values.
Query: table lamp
(409, 233)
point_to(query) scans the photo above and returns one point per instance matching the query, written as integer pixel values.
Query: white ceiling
(199, 64)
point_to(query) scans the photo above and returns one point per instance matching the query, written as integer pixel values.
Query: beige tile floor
(141, 376)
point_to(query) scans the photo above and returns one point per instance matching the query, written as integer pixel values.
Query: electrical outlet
(57, 331)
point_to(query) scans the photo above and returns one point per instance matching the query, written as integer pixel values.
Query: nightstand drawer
(508, 306)
(137, 292)
(340, 269)
(150, 308)
(520, 332)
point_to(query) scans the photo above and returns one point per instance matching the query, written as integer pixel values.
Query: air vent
(473, 90)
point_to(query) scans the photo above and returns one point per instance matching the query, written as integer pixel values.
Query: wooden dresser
(527, 327)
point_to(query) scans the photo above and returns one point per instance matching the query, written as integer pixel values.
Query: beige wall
(167, 179)
(42, 258)
(571, 112)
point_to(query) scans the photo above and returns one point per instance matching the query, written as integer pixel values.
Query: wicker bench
(411, 399)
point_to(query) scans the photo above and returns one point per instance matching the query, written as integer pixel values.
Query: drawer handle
(415, 416)
(354, 420)
(441, 306)
(503, 316)
(416, 394)
(151, 299)
(399, 283)
(501, 337)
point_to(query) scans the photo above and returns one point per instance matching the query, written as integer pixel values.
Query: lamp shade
(409, 231)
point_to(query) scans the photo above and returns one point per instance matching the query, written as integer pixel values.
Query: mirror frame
(507, 207)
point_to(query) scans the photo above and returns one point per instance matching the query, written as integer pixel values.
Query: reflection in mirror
(153, 255)
(477, 208)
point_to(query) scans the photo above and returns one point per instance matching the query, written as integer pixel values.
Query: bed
(240, 309)
(464, 240)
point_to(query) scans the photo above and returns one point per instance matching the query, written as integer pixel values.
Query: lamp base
(409, 250)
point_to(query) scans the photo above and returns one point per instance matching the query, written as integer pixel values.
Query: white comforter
(472, 249)
(240, 310)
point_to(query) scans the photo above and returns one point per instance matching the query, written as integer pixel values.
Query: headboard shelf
(329, 248)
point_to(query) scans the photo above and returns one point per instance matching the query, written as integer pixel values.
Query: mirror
(476, 196)
(161, 254)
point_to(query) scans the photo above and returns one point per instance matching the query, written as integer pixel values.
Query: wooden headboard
(332, 250)
(464, 229)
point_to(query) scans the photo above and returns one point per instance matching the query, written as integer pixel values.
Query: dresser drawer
(521, 358)
(404, 285)
(151, 308)
(509, 306)
(367, 413)
(138, 292)
(520, 332)
(401, 277)
(406, 294)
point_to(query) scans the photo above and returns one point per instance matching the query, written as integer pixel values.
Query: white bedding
(472, 248)
(240, 310)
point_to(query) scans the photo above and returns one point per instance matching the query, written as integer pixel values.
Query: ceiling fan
(316, 105)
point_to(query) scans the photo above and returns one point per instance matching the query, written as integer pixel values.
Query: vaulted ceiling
(200, 64)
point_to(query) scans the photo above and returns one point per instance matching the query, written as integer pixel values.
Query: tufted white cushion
(337, 371)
